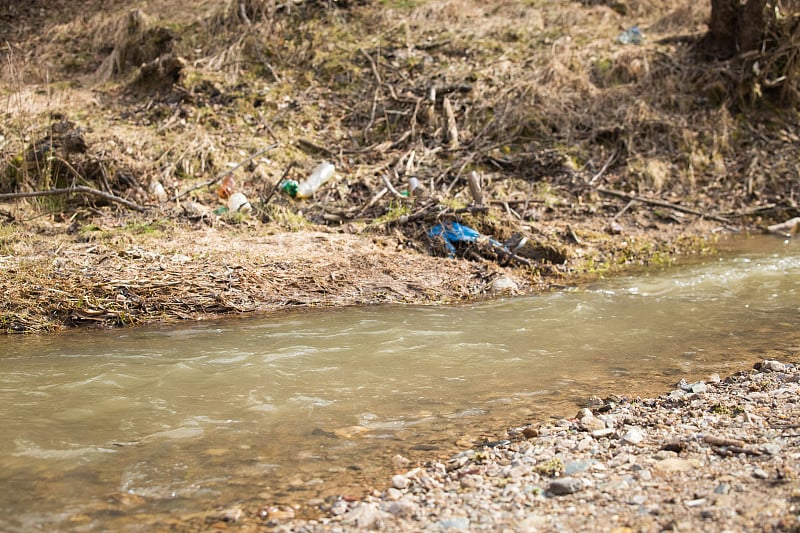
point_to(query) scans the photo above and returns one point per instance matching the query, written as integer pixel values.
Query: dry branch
(79, 189)
(452, 127)
(661, 203)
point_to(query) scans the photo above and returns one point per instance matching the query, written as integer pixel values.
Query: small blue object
(631, 36)
(453, 232)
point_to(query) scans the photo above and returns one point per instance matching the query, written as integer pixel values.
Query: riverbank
(129, 129)
(712, 455)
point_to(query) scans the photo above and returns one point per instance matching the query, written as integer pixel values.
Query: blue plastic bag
(453, 232)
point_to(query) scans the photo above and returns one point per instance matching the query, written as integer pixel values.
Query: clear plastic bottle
(320, 176)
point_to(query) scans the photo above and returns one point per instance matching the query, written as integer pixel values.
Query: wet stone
(769, 365)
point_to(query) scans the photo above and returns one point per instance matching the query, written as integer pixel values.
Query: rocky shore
(714, 455)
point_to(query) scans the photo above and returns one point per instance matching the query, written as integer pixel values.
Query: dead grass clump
(236, 13)
(688, 18)
(624, 67)
(137, 42)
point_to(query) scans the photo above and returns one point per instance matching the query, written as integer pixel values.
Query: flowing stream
(122, 429)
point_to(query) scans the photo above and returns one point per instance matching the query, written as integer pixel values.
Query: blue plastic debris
(453, 232)
(631, 36)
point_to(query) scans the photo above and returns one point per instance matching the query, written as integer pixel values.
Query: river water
(122, 429)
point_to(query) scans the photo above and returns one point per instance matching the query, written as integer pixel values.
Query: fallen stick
(220, 176)
(451, 134)
(265, 200)
(314, 146)
(389, 185)
(661, 203)
(475, 188)
(79, 189)
(603, 170)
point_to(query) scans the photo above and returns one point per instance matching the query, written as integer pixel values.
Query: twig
(452, 127)
(380, 194)
(389, 185)
(79, 189)
(661, 203)
(315, 146)
(466, 162)
(275, 186)
(220, 176)
(624, 209)
(475, 188)
(372, 65)
(603, 170)
(372, 112)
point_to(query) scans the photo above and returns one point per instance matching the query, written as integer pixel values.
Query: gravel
(720, 455)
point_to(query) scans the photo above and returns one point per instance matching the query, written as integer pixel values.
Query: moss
(397, 209)
(551, 468)
(150, 228)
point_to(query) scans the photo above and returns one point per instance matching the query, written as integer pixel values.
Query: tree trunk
(735, 27)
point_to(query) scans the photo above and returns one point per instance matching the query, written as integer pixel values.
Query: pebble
(503, 285)
(771, 448)
(592, 424)
(771, 366)
(673, 465)
(600, 433)
(365, 515)
(722, 488)
(455, 523)
(567, 485)
(400, 481)
(633, 436)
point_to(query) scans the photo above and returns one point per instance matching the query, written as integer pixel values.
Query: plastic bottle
(320, 176)
(227, 187)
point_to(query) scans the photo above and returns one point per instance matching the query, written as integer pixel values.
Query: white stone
(633, 436)
(400, 482)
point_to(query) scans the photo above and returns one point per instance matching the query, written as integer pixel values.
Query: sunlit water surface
(118, 429)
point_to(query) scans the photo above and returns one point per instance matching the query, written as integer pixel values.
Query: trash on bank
(632, 35)
(453, 233)
(239, 202)
(227, 187)
(306, 188)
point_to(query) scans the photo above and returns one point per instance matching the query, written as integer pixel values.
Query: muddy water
(125, 429)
